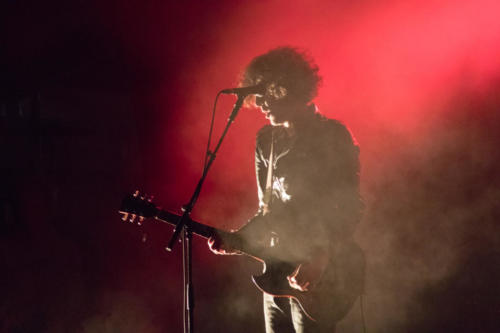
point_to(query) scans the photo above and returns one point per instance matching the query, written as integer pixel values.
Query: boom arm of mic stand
(184, 220)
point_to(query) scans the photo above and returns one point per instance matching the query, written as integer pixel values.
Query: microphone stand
(184, 225)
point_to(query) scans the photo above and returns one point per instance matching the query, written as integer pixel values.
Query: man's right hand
(223, 245)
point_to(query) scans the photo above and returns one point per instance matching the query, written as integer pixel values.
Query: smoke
(121, 312)
(430, 222)
(415, 81)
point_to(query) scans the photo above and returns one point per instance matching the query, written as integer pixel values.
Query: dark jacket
(315, 197)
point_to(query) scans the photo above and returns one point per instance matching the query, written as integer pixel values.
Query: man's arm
(338, 206)
(348, 208)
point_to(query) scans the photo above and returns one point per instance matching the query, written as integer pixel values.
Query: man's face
(277, 105)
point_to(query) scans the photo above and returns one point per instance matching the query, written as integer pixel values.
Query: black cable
(362, 313)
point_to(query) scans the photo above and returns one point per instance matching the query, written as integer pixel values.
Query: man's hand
(223, 245)
(308, 274)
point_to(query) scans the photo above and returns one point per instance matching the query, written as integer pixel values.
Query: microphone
(259, 89)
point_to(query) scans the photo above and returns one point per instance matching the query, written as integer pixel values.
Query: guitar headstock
(137, 207)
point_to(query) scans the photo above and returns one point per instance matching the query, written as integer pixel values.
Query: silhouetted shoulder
(337, 131)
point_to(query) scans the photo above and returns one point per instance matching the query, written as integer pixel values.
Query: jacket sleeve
(343, 201)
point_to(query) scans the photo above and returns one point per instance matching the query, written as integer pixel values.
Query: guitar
(330, 299)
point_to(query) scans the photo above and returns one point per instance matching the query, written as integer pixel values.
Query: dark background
(99, 99)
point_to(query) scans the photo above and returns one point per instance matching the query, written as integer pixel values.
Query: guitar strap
(268, 194)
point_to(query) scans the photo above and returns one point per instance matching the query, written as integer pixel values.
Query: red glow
(392, 72)
(99, 98)
(390, 65)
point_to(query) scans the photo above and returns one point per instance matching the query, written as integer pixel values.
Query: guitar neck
(207, 232)
(196, 227)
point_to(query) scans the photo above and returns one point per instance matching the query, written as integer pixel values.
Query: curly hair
(287, 67)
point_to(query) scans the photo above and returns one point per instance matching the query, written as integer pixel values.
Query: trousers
(284, 315)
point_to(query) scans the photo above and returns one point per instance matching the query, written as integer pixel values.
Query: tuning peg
(132, 218)
(125, 216)
(136, 193)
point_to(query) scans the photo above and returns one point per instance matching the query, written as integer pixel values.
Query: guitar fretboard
(196, 227)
